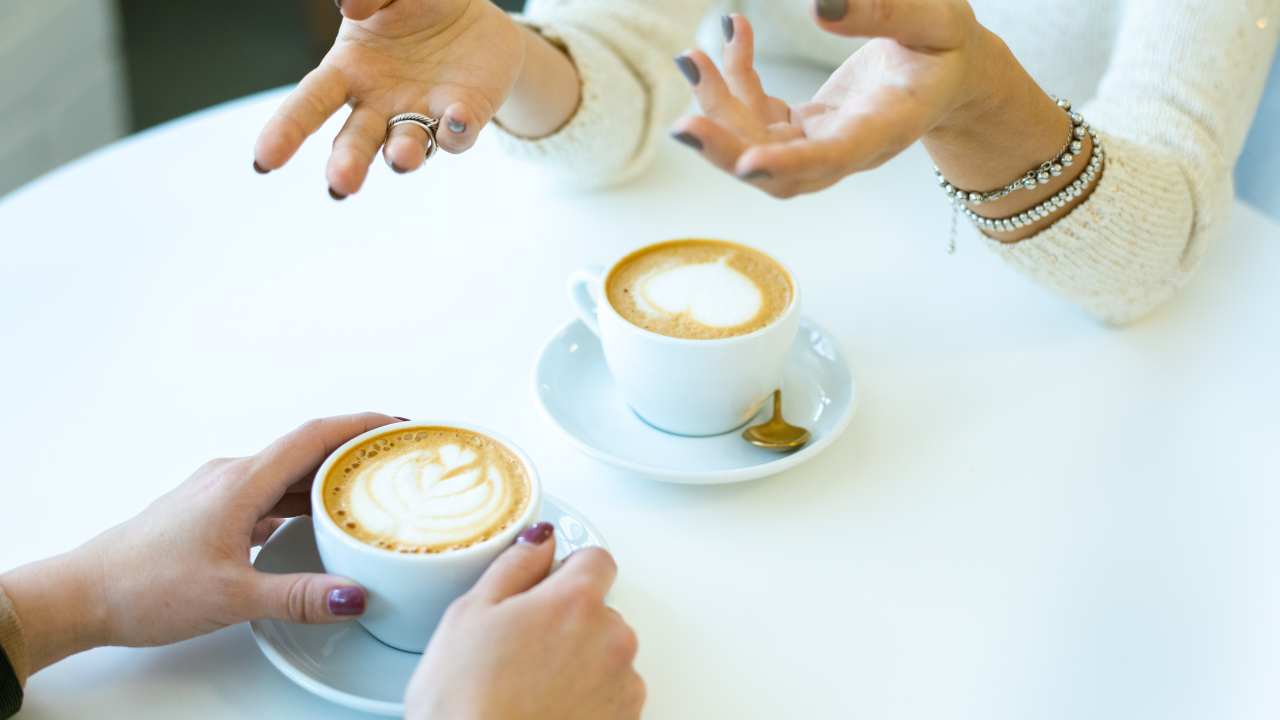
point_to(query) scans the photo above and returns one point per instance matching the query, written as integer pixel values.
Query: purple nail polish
(336, 195)
(348, 600)
(259, 169)
(400, 418)
(457, 126)
(726, 24)
(536, 534)
(690, 70)
(687, 139)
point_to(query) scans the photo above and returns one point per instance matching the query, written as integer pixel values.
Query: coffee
(699, 289)
(426, 490)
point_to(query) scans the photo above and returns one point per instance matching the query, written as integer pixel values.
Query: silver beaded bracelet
(1038, 175)
(1047, 208)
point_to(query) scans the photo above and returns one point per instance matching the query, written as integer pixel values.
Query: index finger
(591, 569)
(316, 98)
(296, 456)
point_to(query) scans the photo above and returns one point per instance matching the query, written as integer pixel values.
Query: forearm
(59, 607)
(1007, 125)
(547, 92)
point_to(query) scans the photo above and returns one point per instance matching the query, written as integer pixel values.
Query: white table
(1031, 517)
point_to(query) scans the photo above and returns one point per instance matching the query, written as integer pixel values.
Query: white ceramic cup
(680, 385)
(408, 593)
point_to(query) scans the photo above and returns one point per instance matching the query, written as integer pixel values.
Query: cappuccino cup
(695, 332)
(415, 512)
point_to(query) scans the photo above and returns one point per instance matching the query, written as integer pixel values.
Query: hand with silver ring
(453, 62)
(428, 125)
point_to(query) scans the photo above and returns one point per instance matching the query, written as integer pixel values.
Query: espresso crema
(699, 289)
(426, 489)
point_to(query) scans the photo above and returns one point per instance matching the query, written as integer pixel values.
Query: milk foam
(711, 293)
(428, 497)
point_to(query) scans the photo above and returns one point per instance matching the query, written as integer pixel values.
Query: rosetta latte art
(426, 490)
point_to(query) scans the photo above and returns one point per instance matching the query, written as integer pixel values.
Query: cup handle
(584, 295)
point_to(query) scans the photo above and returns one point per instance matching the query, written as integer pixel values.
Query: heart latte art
(426, 490)
(699, 289)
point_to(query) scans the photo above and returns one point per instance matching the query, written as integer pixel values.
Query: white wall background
(62, 84)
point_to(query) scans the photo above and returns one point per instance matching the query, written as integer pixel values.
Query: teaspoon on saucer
(777, 434)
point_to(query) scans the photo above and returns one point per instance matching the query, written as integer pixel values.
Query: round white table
(1032, 516)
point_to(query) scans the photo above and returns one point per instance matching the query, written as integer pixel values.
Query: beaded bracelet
(1047, 208)
(1038, 175)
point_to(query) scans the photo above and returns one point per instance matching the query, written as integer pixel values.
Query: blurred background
(77, 74)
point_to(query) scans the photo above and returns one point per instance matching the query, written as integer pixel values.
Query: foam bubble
(711, 293)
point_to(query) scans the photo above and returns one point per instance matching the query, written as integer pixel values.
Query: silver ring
(427, 123)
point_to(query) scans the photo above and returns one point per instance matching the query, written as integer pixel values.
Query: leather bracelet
(10, 690)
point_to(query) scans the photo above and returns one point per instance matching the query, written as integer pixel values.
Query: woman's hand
(181, 567)
(456, 60)
(930, 72)
(524, 646)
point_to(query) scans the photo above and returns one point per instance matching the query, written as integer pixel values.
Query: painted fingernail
(688, 139)
(536, 534)
(400, 418)
(726, 24)
(397, 168)
(336, 195)
(832, 10)
(757, 175)
(457, 126)
(685, 63)
(259, 169)
(347, 600)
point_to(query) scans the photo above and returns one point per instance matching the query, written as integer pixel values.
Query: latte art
(699, 289)
(713, 293)
(426, 490)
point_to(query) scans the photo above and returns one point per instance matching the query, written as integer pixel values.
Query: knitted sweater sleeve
(1173, 111)
(624, 51)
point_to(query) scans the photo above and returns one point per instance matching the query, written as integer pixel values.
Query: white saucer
(574, 390)
(343, 663)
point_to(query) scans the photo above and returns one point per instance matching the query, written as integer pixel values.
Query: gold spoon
(777, 434)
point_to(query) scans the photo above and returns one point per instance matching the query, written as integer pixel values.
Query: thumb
(309, 598)
(522, 566)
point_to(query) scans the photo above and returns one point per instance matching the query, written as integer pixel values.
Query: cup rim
(791, 309)
(320, 516)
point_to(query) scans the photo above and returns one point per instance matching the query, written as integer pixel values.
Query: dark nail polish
(400, 418)
(832, 10)
(457, 126)
(397, 168)
(688, 139)
(726, 24)
(685, 63)
(259, 169)
(757, 175)
(536, 534)
(336, 195)
(347, 600)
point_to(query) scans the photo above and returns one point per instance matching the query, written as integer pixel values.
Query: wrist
(59, 605)
(547, 90)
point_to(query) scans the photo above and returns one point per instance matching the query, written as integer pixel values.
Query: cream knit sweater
(1172, 85)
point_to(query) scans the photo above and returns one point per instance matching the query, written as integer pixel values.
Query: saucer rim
(360, 703)
(702, 477)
